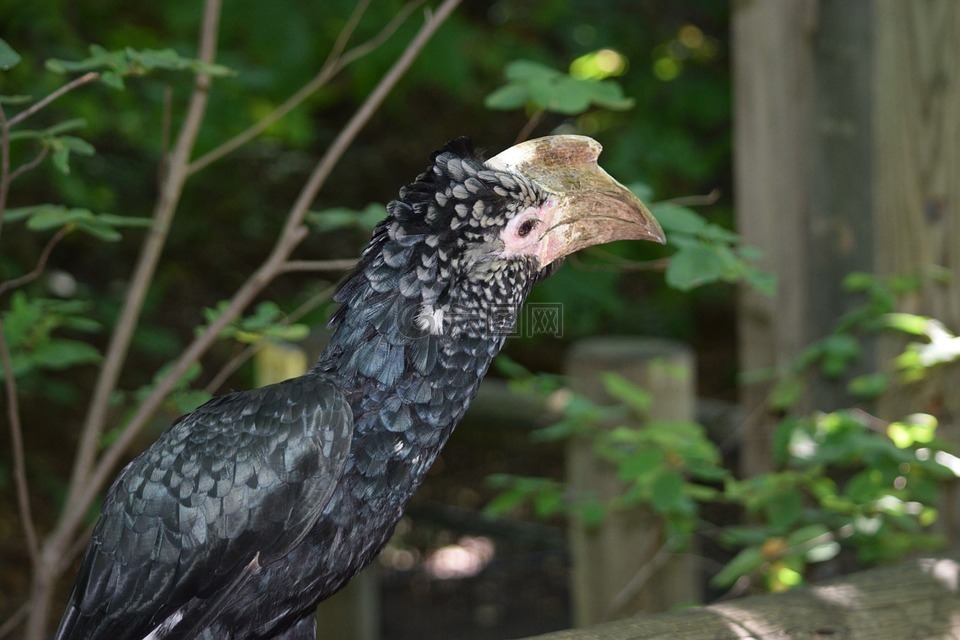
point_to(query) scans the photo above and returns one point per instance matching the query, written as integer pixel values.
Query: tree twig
(618, 263)
(696, 200)
(14, 620)
(4, 164)
(38, 269)
(291, 266)
(530, 126)
(333, 65)
(27, 166)
(19, 461)
(119, 344)
(40, 104)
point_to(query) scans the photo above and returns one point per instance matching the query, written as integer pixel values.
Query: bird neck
(407, 387)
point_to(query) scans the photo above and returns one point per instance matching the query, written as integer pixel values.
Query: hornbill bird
(249, 511)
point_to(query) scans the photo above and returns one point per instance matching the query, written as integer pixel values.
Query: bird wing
(236, 484)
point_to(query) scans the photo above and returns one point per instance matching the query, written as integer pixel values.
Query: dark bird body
(250, 510)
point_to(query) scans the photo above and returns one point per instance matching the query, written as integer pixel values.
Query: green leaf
(567, 96)
(716, 233)
(639, 400)
(787, 392)
(15, 100)
(505, 502)
(643, 463)
(609, 95)
(115, 65)
(44, 217)
(124, 221)
(743, 564)
(677, 219)
(61, 354)
(869, 386)
(667, 491)
(47, 217)
(693, 266)
(548, 503)
(807, 534)
(507, 98)
(538, 86)
(99, 230)
(8, 57)
(785, 510)
(907, 323)
(592, 512)
(49, 132)
(529, 70)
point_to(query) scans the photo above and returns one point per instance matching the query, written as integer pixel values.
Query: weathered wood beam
(912, 600)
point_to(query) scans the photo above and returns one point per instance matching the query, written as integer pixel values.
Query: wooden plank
(917, 187)
(621, 567)
(847, 152)
(916, 599)
(773, 68)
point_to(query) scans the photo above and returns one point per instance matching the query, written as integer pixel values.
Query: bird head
(467, 240)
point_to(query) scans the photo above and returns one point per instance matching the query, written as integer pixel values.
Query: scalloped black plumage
(259, 504)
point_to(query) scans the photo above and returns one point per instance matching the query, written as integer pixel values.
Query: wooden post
(917, 187)
(353, 612)
(847, 152)
(619, 568)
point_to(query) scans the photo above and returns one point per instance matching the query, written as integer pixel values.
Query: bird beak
(591, 207)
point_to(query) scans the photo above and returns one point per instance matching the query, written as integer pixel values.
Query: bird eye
(526, 227)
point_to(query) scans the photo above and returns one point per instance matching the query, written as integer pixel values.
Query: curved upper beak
(591, 207)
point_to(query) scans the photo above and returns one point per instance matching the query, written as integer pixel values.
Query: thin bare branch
(165, 128)
(154, 242)
(617, 263)
(346, 33)
(40, 104)
(696, 201)
(4, 164)
(530, 126)
(318, 265)
(333, 65)
(292, 234)
(14, 621)
(19, 461)
(38, 269)
(363, 114)
(27, 166)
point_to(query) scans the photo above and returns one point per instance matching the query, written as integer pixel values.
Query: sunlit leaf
(907, 323)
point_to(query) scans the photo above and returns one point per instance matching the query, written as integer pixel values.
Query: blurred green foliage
(843, 479)
(675, 138)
